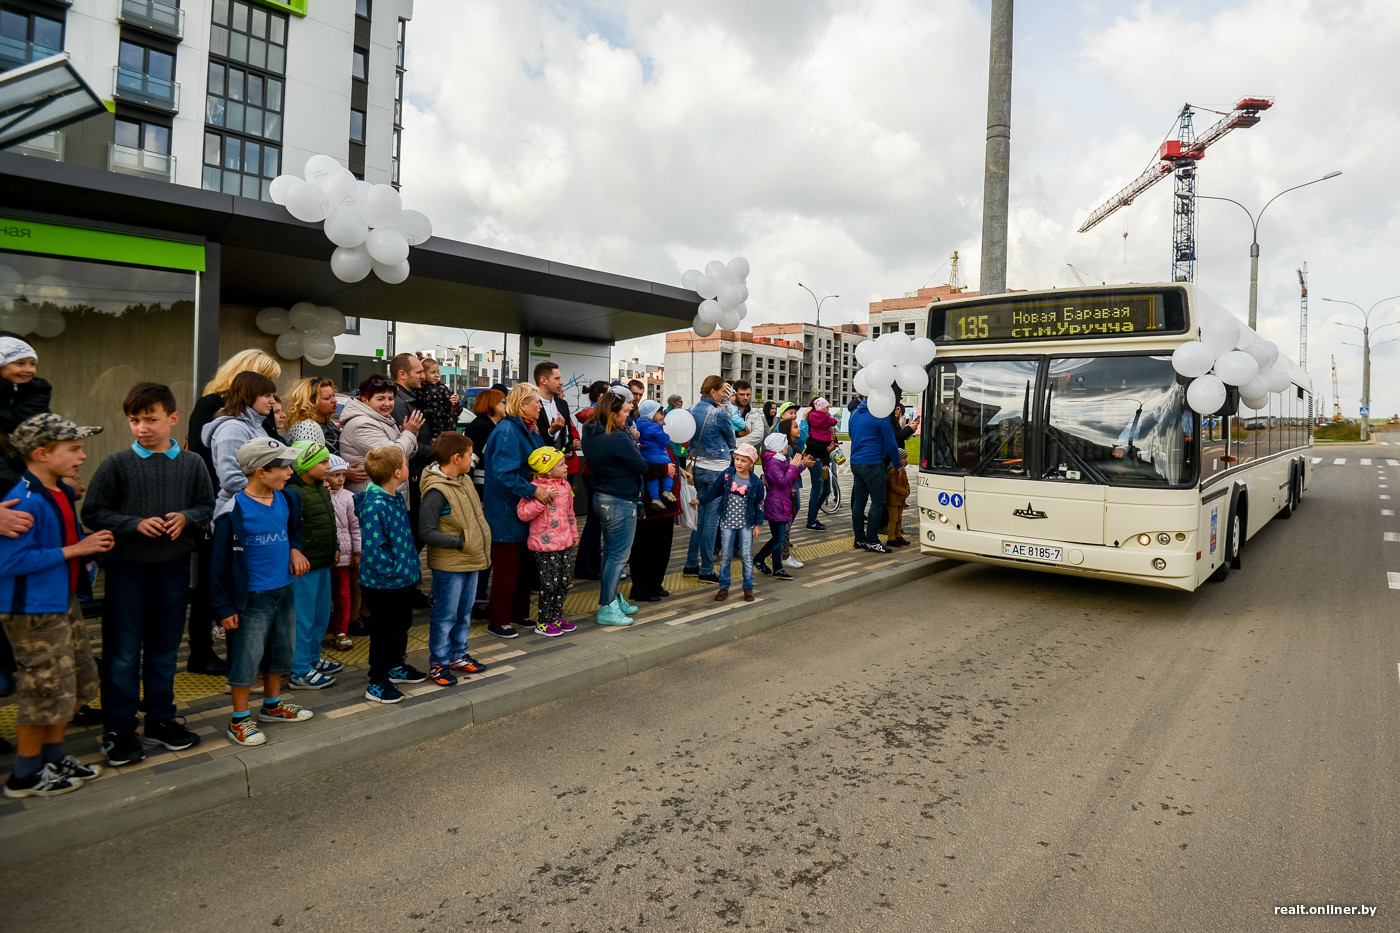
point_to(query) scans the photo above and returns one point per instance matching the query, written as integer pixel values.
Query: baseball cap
(544, 459)
(46, 428)
(309, 453)
(264, 452)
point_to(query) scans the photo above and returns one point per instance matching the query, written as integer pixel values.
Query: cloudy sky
(840, 143)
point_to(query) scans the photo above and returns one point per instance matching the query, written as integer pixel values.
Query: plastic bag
(687, 518)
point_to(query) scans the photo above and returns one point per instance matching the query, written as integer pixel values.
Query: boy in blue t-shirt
(257, 551)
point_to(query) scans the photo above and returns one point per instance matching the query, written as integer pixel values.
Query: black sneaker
(875, 547)
(860, 546)
(406, 674)
(72, 768)
(212, 666)
(708, 577)
(764, 569)
(171, 733)
(690, 571)
(781, 574)
(502, 631)
(86, 716)
(46, 782)
(122, 748)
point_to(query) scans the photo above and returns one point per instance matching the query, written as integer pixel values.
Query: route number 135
(973, 327)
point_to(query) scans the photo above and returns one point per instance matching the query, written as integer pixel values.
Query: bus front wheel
(1233, 544)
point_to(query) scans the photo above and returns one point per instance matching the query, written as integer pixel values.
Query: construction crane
(955, 283)
(1079, 278)
(1180, 155)
(1303, 319)
(1336, 396)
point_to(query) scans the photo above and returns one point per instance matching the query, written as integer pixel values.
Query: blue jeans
(312, 593)
(141, 631)
(266, 624)
(619, 522)
(820, 489)
(727, 537)
(700, 551)
(774, 545)
(453, 595)
(868, 481)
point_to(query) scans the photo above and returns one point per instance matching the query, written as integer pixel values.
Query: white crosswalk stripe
(1365, 462)
(1392, 535)
(1392, 463)
(1340, 461)
(1394, 579)
(1387, 512)
(1316, 460)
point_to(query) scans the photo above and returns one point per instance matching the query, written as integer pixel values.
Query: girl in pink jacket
(347, 530)
(553, 530)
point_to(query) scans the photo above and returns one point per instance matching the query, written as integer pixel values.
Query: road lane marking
(1316, 460)
(1365, 462)
(1392, 463)
(1385, 497)
(1340, 461)
(1387, 512)
(1392, 535)
(1394, 579)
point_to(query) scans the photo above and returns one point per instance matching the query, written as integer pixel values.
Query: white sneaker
(793, 562)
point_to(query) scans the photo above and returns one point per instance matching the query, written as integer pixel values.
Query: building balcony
(16, 52)
(137, 88)
(140, 162)
(49, 146)
(163, 19)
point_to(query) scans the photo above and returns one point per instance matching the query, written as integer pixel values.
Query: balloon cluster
(303, 330)
(722, 287)
(889, 360)
(367, 223)
(1228, 355)
(680, 425)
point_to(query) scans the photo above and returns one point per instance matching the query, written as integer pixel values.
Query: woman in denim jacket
(710, 451)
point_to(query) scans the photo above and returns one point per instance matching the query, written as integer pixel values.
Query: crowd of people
(308, 524)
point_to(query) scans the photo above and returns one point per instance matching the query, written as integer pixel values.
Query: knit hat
(544, 459)
(746, 450)
(338, 464)
(777, 443)
(648, 409)
(821, 404)
(12, 348)
(264, 452)
(46, 428)
(309, 453)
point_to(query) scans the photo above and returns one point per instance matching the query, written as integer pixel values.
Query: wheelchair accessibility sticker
(942, 498)
(955, 499)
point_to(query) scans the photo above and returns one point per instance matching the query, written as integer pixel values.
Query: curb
(95, 816)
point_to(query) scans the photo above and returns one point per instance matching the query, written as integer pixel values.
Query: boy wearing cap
(154, 498)
(312, 590)
(256, 553)
(553, 530)
(453, 526)
(347, 531)
(655, 444)
(38, 574)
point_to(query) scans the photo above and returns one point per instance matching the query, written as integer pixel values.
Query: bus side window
(1213, 446)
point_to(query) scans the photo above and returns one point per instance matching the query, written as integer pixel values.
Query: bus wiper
(991, 456)
(1050, 431)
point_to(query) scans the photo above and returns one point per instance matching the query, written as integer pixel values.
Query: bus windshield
(1112, 420)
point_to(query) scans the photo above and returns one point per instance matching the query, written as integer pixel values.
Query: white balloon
(879, 374)
(742, 310)
(707, 287)
(1256, 402)
(1258, 387)
(346, 226)
(332, 322)
(716, 269)
(729, 320)
(280, 186)
(383, 206)
(703, 328)
(273, 321)
(866, 352)
(881, 404)
(350, 263)
(911, 378)
(307, 202)
(319, 360)
(391, 275)
(1265, 352)
(364, 187)
(289, 345)
(861, 383)
(415, 225)
(680, 426)
(387, 246)
(1220, 334)
(320, 346)
(1205, 395)
(1277, 379)
(50, 324)
(730, 296)
(1193, 359)
(304, 316)
(738, 267)
(922, 351)
(691, 278)
(343, 191)
(893, 346)
(1236, 368)
(320, 169)
(709, 311)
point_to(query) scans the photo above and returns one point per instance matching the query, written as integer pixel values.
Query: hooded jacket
(388, 560)
(18, 403)
(552, 524)
(780, 476)
(347, 526)
(872, 439)
(35, 577)
(617, 465)
(450, 508)
(228, 569)
(223, 436)
(821, 422)
(362, 429)
(753, 496)
(509, 478)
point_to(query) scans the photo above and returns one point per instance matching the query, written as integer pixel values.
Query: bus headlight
(1144, 539)
(1164, 538)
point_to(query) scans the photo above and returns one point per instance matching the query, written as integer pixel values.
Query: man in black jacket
(554, 423)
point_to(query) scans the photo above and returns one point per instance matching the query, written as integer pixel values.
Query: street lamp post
(1365, 354)
(819, 303)
(1254, 244)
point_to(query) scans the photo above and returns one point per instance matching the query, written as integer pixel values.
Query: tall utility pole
(1303, 319)
(997, 173)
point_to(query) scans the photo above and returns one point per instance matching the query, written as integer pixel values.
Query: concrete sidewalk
(522, 672)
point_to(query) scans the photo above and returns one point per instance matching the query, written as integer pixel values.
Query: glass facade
(244, 105)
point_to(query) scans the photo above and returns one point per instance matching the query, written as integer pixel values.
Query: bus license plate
(1031, 552)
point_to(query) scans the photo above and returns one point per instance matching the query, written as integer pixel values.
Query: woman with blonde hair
(311, 406)
(508, 480)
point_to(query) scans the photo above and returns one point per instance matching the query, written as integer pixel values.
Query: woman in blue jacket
(710, 451)
(618, 468)
(508, 480)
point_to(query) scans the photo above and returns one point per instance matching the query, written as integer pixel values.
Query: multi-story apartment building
(787, 362)
(910, 313)
(653, 377)
(223, 94)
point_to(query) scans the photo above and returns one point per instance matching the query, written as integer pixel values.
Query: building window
(249, 34)
(352, 325)
(359, 64)
(244, 107)
(362, 8)
(138, 134)
(357, 126)
(27, 37)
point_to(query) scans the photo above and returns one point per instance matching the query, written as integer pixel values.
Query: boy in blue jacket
(388, 572)
(740, 517)
(37, 608)
(256, 553)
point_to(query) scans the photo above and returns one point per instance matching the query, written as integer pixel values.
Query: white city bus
(1056, 437)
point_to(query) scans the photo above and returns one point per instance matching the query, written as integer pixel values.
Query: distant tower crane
(1336, 396)
(1180, 155)
(1303, 319)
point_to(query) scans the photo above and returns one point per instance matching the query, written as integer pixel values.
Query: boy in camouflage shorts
(38, 610)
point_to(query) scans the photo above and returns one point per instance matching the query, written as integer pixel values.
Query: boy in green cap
(312, 590)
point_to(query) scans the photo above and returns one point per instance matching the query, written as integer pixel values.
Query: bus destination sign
(1071, 317)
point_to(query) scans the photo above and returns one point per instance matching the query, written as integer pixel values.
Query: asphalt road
(983, 750)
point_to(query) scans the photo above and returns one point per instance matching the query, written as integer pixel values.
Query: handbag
(687, 518)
